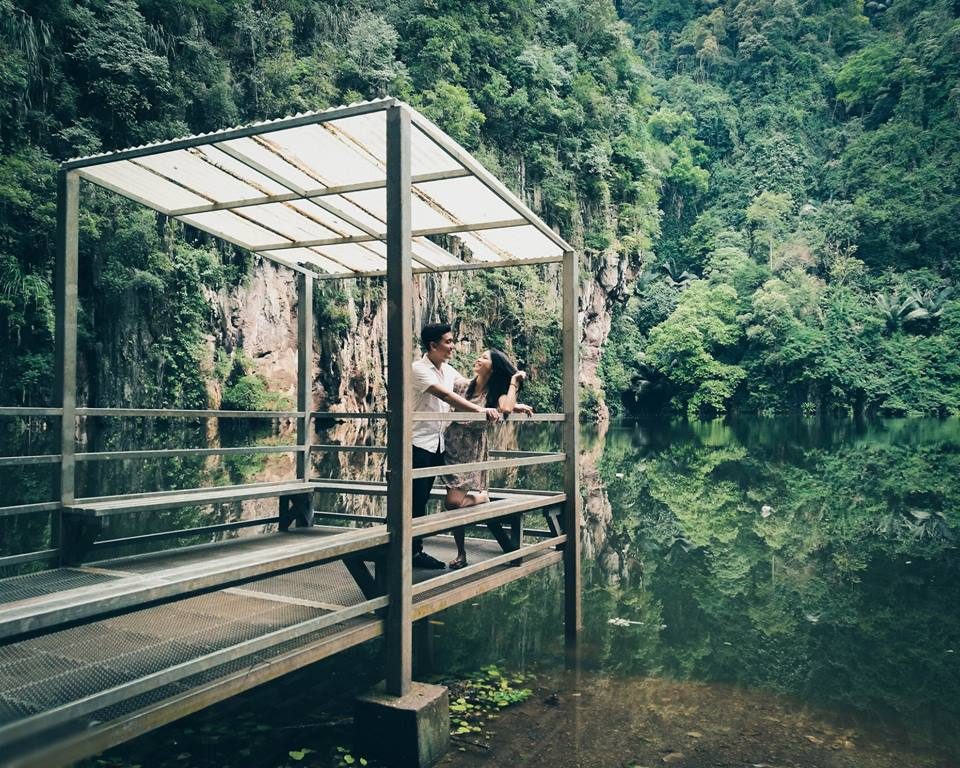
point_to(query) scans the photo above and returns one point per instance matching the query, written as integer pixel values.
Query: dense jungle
(765, 192)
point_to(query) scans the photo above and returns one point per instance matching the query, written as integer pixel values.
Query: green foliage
(478, 697)
(804, 156)
(245, 390)
(686, 347)
(828, 143)
(514, 310)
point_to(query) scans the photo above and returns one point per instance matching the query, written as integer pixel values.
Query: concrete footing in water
(411, 730)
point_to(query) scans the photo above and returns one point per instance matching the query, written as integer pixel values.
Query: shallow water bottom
(591, 721)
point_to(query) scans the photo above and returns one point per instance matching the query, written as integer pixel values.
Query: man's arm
(459, 403)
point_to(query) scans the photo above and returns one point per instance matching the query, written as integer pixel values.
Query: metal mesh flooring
(328, 583)
(52, 670)
(31, 585)
(177, 558)
(43, 672)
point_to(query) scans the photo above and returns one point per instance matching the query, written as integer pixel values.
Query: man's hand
(492, 414)
(523, 408)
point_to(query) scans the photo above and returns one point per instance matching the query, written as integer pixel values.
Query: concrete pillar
(409, 731)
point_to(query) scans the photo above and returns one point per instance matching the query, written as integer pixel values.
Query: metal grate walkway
(72, 692)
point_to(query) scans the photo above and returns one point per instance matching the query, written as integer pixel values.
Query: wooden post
(573, 620)
(399, 629)
(65, 319)
(304, 370)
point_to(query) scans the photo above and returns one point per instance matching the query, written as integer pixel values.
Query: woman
(495, 384)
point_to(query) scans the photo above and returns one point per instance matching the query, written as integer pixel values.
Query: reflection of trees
(835, 594)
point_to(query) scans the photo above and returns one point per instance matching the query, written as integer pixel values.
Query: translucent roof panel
(288, 221)
(298, 256)
(322, 212)
(431, 254)
(326, 155)
(193, 172)
(467, 199)
(143, 186)
(510, 243)
(361, 257)
(235, 228)
(311, 190)
(257, 155)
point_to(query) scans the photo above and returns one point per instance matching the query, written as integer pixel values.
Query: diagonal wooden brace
(554, 517)
(508, 541)
(297, 508)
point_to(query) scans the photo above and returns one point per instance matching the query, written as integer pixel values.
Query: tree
(768, 213)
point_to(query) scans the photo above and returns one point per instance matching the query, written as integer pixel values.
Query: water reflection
(812, 559)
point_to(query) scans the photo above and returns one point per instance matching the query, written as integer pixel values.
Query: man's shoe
(423, 560)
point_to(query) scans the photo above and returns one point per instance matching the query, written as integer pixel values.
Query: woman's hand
(492, 414)
(523, 408)
(518, 378)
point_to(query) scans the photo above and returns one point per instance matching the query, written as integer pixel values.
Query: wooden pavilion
(94, 651)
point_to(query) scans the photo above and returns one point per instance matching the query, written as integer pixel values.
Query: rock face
(259, 317)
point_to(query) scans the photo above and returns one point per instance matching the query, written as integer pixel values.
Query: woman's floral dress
(466, 442)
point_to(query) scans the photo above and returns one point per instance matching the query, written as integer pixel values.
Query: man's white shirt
(429, 434)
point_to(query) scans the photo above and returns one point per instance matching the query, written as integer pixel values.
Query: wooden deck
(96, 654)
(99, 652)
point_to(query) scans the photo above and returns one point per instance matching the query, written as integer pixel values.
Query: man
(433, 382)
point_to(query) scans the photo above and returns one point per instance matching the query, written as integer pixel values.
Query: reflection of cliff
(597, 517)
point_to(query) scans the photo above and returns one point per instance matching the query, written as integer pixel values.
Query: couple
(438, 387)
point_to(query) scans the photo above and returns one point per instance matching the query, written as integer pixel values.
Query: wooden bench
(82, 520)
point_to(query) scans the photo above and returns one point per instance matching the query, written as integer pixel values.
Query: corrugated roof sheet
(310, 191)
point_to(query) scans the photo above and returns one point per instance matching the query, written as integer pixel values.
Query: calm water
(801, 571)
(814, 562)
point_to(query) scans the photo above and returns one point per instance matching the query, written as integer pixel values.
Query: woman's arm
(459, 403)
(508, 402)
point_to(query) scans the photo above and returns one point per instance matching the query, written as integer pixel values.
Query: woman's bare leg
(457, 499)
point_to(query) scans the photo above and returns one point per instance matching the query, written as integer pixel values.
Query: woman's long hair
(501, 371)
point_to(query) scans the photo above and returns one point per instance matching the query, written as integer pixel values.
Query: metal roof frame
(284, 195)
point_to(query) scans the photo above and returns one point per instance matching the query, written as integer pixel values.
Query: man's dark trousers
(423, 485)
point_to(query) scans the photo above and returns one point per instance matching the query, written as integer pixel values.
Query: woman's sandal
(459, 562)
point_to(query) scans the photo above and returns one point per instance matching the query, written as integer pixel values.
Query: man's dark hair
(432, 333)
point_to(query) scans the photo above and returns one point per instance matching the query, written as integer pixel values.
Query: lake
(756, 593)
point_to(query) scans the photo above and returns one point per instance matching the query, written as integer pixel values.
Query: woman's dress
(467, 442)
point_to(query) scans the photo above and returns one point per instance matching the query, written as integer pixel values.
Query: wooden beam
(470, 571)
(479, 513)
(529, 461)
(573, 613)
(28, 509)
(306, 194)
(370, 238)
(65, 324)
(16, 411)
(464, 416)
(399, 621)
(18, 461)
(160, 453)
(428, 604)
(184, 413)
(304, 370)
